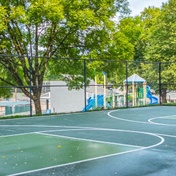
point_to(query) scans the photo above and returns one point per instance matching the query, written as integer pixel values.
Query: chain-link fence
(74, 85)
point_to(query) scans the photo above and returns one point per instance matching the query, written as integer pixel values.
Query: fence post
(30, 89)
(104, 89)
(126, 84)
(160, 87)
(85, 85)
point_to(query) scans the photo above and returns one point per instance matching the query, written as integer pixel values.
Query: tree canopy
(161, 45)
(34, 31)
(35, 36)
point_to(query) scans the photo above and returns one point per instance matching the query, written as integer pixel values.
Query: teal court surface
(126, 142)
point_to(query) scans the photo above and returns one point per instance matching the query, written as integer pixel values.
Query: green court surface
(35, 151)
(123, 142)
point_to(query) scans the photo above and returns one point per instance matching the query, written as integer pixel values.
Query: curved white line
(78, 128)
(127, 120)
(101, 157)
(135, 121)
(163, 117)
(105, 129)
(90, 128)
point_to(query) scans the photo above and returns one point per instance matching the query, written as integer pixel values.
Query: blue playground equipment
(91, 102)
(137, 95)
(153, 99)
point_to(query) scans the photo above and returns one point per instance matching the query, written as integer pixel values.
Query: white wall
(64, 100)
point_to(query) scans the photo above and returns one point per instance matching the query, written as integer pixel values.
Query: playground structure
(135, 87)
(138, 91)
(99, 100)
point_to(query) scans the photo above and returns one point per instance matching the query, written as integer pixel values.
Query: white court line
(88, 140)
(162, 117)
(96, 158)
(114, 130)
(89, 128)
(44, 116)
(135, 121)
(166, 135)
(72, 163)
(42, 126)
(78, 128)
(45, 126)
(50, 126)
(19, 134)
(127, 120)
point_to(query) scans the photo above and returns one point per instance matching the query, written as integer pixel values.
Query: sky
(138, 6)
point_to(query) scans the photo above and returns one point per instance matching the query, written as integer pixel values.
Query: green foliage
(132, 28)
(37, 30)
(162, 44)
(162, 39)
(2, 19)
(148, 19)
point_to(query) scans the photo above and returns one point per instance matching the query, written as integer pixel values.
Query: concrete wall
(64, 100)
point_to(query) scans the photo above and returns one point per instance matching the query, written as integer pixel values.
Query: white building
(64, 100)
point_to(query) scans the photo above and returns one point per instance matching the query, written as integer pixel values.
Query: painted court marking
(100, 129)
(101, 157)
(79, 128)
(163, 117)
(127, 120)
(150, 121)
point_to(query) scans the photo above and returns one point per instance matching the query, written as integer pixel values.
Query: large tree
(34, 31)
(161, 46)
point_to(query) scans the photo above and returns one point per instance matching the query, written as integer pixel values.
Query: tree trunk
(36, 99)
(164, 93)
(37, 105)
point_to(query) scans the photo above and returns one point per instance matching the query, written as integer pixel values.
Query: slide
(153, 99)
(91, 103)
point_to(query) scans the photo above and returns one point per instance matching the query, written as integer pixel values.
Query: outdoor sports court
(125, 142)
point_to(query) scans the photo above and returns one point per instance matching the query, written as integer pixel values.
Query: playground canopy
(134, 79)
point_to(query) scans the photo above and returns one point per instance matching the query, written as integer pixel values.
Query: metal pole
(104, 100)
(96, 93)
(127, 84)
(85, 85)
(30, 90)
(160, 87)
